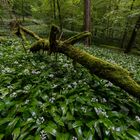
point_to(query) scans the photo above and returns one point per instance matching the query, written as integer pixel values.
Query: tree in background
(87, 19)
(133, 36)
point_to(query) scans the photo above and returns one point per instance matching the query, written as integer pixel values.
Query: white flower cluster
(14, 94)
(83, 109)
(26, 102)
(43, 135)
(26, 72)
(35, 72)
(40, 120)
(94, 100)
(7, 70)
(65, 65)
(74, 138)
(16, 62)
(51, 75)
(137, 118)
(72, 85)
(51, 100)
(100, 111)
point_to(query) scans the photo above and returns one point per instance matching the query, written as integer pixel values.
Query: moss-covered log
(105, 70)
(30, 33)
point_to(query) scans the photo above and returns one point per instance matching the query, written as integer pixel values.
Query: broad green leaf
(23, 136)
(1, 136)
(16, 133)
(5, 120)
(58, 120)
(90, 136)
(97, 128)
(79, 133)
(29, 120)
(2, 105)
(37, 137)
(51, 128)
(12, 125)
(77, 124)
(69, 116)
(107, 123)
(64, 108)
(135, 134)
(62, 136)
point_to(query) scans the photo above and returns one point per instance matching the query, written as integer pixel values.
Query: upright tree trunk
(87, 20)
(126, 27)
(22, 9)
(59, 15)
(133, 36)
(54, 10)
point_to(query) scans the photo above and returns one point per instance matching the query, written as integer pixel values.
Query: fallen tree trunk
(105, 70)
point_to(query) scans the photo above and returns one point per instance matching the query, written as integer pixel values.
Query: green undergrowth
(43, 98)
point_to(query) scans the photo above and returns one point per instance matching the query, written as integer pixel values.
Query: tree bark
(54, 10)
(133, 36)
(87, 20)
(105, 70)
(59, 15)
(22, 9)
(126, 26)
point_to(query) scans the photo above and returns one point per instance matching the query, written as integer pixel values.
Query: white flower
(27, 87)
(69, 86)
(54, 86)
(52, 100)
(42, 67)
(118, 129)
(74, 83)
(43, 135)
(74, 138)
(137, 118)
(40, 120)
(51, 75)
(27, 101)
(104, 100)
(35, 72)
(65, 65)
(26, 72)
(10, 87)
(14, 94)
(33, 113)
(94, 100)
(100, 111)
(16, 62)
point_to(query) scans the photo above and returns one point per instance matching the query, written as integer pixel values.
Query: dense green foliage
(47, 97)
(41, 97)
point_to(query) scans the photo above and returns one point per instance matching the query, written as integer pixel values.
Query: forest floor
(44, 97)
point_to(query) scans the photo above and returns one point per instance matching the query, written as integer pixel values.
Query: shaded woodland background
(112, 22)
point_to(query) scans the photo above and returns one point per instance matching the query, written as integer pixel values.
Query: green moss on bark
(105, 70)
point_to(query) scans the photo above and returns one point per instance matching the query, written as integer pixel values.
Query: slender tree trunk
(126, 27)
(54, 9)
(59, 15)
(87, 20)
(133, 36)
(22, 9)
